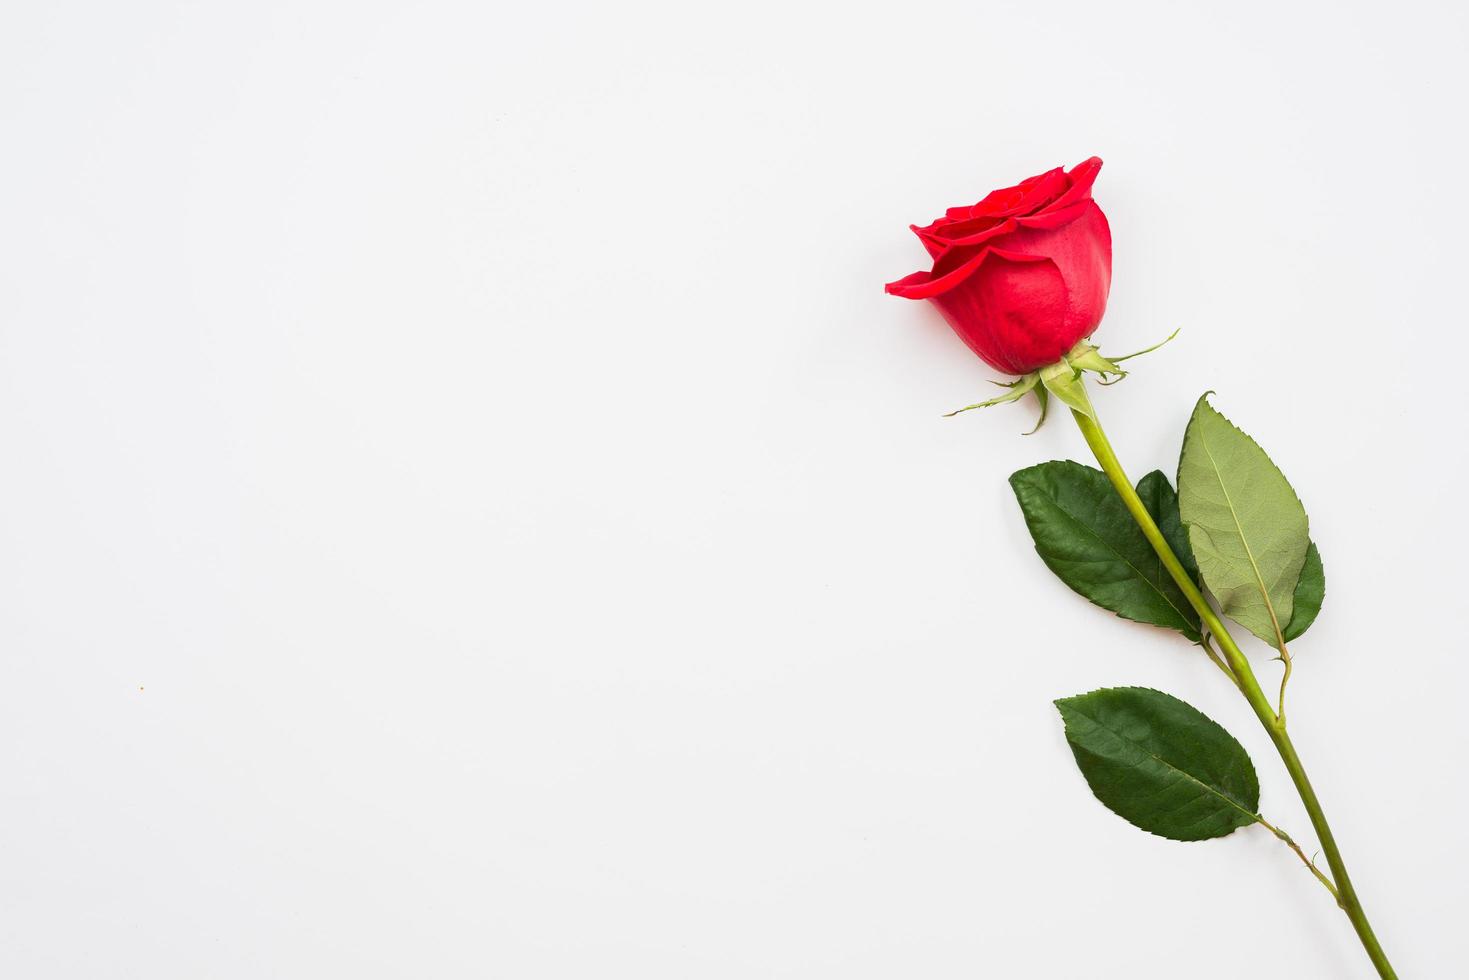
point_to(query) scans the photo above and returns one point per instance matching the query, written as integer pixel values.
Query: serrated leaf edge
(1193, 634)
(1254, 776)
(1286, 633)
(1178, 483)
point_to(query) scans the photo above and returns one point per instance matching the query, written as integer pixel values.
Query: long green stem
(1248, 685)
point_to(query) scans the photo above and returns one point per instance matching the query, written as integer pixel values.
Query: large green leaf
(1247, 526)
(1084, 534)
(1309, 594)
(1161, 764)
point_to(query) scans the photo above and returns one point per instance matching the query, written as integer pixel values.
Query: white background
(469, 509)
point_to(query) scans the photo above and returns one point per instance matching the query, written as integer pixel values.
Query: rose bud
(1023, 275)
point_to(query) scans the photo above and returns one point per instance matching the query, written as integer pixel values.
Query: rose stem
(1248, 685)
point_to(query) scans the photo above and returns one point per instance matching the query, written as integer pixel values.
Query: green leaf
(1161, 501)
(1084, 534)
(1161, 764)
(1248, 529)
(1309, 594)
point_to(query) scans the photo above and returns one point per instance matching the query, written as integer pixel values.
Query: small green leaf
(1084, 534)
(1248, 529)
(1161, 764)
(1309, 594)
(1161, 501)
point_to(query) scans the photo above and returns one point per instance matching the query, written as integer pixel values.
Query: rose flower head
(1023, 275)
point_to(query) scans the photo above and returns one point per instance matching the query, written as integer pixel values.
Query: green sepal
(1042, 396)
(1064, 381)
(1085, 357)
(1018, 389)
(1146, 350)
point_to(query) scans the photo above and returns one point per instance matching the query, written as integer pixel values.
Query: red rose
(1022, 275)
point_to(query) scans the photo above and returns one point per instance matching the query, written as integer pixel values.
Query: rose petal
(1048, 220)
(977, 237)
(1025, 197)
(910, 287)
(1013, 315)
(1082, 176)
(935, 245)
(926, 285)
(901, 287)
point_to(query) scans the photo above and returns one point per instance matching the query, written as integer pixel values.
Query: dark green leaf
(1162, 502)
(1084, 534)
(1247, 526)
(1160, 764)
(1310, 592)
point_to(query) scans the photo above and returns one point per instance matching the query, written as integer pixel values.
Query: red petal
(1048, 220)
(924, 285)
(978, 236)
(1082, 176)
(903, 285)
